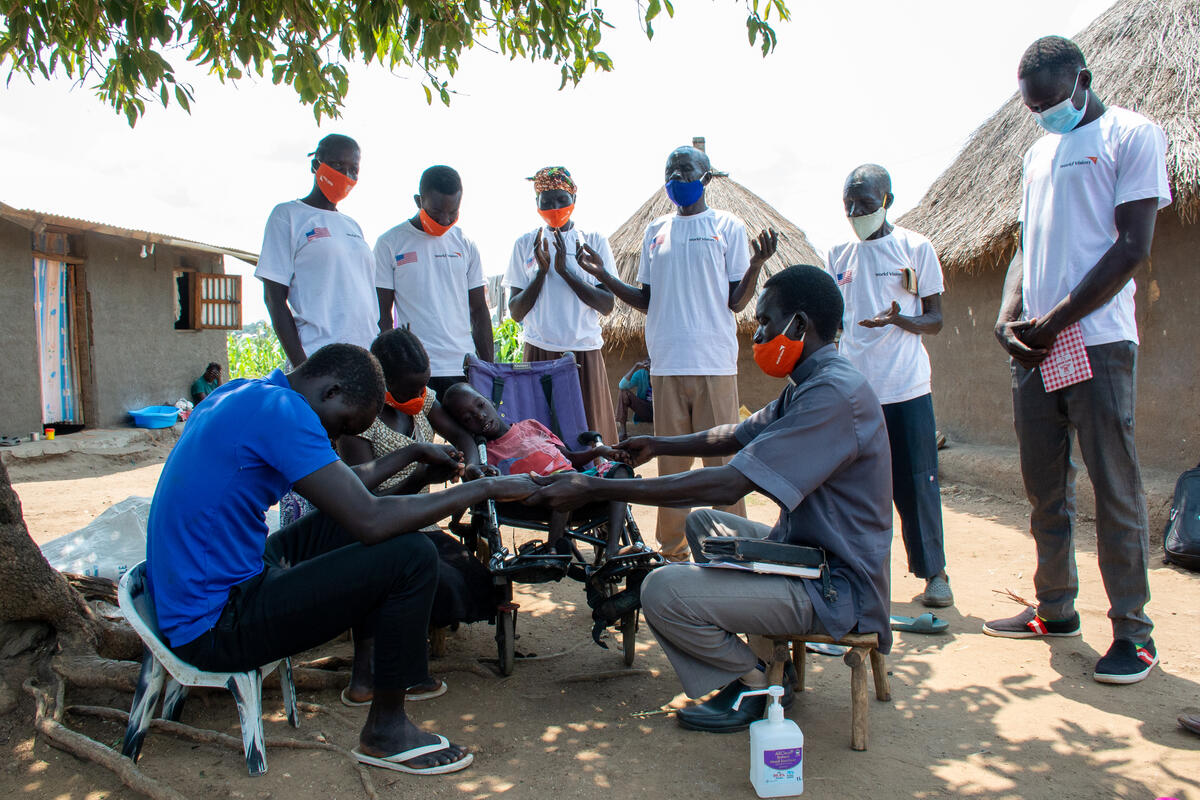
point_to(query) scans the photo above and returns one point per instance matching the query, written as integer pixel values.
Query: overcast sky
(898, 83)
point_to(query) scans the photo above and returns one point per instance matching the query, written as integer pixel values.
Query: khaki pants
(696, 613)
(689, 404)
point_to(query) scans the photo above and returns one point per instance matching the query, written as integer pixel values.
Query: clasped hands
(566, 491)
(1027, 341)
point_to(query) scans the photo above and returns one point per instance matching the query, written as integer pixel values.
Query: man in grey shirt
(821, 452)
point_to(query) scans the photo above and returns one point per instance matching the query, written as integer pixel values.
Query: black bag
(1181, 539)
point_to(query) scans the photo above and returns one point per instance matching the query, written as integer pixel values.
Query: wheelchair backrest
(547, 391)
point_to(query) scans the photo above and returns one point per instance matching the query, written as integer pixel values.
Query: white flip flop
(408, 696)
(396, 762)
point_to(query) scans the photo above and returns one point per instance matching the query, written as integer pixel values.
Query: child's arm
(581, 458)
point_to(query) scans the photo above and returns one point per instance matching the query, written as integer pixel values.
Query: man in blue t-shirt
(230, 598)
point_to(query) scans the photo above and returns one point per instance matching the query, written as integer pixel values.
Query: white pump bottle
(776, 749)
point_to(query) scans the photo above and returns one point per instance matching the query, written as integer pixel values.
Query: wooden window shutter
(217, 301)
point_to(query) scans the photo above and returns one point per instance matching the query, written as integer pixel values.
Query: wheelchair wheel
(506, 641)
(629, 626)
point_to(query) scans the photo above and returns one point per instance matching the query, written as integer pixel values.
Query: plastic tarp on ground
(107, 547)
(113, 543)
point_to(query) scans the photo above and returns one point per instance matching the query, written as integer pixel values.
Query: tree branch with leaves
(123, 48)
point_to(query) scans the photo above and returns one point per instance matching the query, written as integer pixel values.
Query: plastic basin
(155, 416)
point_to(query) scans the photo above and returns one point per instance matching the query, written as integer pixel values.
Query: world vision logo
(1086, 161)
(705, 239)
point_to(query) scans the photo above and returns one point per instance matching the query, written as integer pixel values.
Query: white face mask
(867, 224)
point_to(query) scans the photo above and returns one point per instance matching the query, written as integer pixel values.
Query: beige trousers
(689, 404)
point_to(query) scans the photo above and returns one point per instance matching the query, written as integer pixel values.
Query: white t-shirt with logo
(559, 321)
(323, 259)
(1072, 184)
(870, 277)
(689, 262)
(430, 277)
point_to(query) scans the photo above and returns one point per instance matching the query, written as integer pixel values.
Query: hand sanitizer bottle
(776, 750)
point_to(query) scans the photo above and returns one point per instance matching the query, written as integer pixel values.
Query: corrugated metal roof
(38, 220)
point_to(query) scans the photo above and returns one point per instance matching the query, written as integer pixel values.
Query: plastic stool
(159, 662)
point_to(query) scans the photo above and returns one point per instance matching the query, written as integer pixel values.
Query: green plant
(254, 351)
(507, 338)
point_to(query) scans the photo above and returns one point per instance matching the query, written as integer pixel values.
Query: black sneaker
(1028, 625)
(1126, 662)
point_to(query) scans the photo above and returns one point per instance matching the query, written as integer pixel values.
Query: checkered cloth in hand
(1067, 362)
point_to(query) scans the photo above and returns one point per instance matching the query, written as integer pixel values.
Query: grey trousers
(1100, 413)
(697, 612)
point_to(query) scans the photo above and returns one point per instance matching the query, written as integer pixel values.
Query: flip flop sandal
(396, 762)
(409, 695)
(826, 649)
(926, 623)
(9, 441)
(1190, 722)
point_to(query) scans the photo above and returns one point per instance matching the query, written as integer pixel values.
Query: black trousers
(317, 581)
(912, 434)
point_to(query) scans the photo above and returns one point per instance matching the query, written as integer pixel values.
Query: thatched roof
(1145, 56)
(624, 325)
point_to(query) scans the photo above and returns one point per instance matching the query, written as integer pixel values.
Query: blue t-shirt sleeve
(291, 439)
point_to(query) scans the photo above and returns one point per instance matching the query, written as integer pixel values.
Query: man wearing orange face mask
(317, 269)
(561, 306)
(430, 272)
(820, 451)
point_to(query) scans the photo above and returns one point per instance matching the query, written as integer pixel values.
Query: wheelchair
(549, 391)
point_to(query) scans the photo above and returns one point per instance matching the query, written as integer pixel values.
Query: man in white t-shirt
(891, 282)
(317, 269)
(1090, 195)
(429, 270)
(560, 307)
(702, 272)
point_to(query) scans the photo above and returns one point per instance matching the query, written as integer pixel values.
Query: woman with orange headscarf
(559, 303)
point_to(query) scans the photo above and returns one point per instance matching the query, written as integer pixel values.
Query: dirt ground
(971, 715)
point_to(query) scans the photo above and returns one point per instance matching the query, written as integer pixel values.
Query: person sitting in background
(527, 447)
(634, 394)
(207, 383)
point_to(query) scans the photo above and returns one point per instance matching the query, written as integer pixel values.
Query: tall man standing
(702, 273)
(315, 265)
(1091, 191)
(431, 272)
(892, 284)
(560, 305)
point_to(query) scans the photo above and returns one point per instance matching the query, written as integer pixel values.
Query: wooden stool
(863, 646)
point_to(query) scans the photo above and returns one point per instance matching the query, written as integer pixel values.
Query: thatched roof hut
(1145, 56)
(625, 325)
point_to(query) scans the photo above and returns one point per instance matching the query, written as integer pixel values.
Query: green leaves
(307, 44)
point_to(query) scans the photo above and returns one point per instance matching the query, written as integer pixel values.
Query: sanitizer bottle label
(785, 759)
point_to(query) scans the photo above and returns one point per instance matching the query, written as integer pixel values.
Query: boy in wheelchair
(529, 448)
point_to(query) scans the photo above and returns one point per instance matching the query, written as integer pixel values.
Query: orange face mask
(432, 226)
(410, 407)
(557, 217)
(333, 184)
(779, 356)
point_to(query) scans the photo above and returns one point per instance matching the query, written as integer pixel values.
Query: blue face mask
(685, 193)
(1063, 117)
